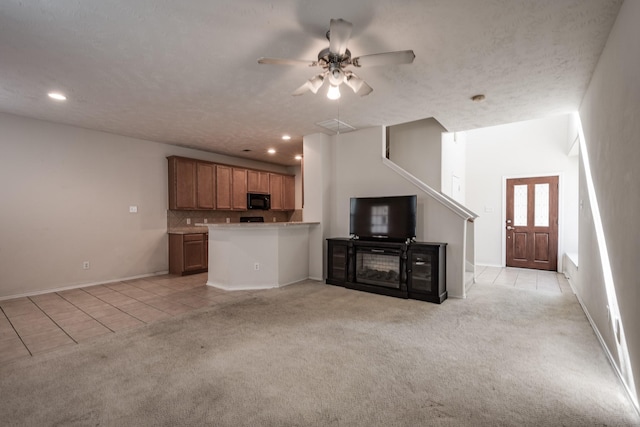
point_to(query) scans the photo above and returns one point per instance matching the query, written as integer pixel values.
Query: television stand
(415, 270)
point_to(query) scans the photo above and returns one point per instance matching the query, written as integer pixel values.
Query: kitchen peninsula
(258, 255)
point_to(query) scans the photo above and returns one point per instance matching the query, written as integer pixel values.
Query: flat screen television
(383, 218)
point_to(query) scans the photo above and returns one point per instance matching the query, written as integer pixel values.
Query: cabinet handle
(419, 263)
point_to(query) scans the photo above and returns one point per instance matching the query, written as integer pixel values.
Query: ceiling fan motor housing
(336, 75)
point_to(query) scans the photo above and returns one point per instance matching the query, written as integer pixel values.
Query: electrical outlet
(228, 220)
(205, 220)
(256, 266)
(188, 221)
(86, 265)
(133, 209)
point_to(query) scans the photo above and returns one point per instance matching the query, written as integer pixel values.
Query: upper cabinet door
(289, 193)
(182, 183)
(275, 188)
(206, 190)
(239, 189)
(223, 187)
(257, 182)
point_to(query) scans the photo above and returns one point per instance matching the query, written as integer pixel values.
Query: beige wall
(609, 114)
(66, 194)
(417, 148)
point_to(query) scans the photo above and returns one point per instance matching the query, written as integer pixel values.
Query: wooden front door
(532, 223)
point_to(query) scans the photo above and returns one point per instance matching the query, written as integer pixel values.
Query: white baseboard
(252, 287)
(82, 285)
(605, 348)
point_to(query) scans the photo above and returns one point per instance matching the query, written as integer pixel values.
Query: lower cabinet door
(426, 272)
(188, 253)
(194, 255)
(337, 263)
(421, 265)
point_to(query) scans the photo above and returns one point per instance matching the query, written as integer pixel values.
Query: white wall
(454, 165)
(535, 147)
(417, 148)
(66, 194)
(609, 113)
(318, 183)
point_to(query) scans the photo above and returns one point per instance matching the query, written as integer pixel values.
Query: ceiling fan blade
(283, 61)
(302, 89)
(358, 85)
(312, 85)
(388, 58)
(315, 83)
(339, 33)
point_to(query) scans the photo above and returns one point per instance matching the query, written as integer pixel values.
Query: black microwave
(258, 201)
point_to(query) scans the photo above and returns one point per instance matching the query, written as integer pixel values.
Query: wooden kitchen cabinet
(223, 187)
(182, 183)
(191, 184)
(188, 253)
(275, 188)
(201, 185)
(205, 185)
(283, 192)
(239, 189)
(231, 188)
(257, 182)
(289, 193)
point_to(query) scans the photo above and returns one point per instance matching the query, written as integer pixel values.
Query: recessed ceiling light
(286, 137)
(271, 151)
(298, 157)
(57, 96)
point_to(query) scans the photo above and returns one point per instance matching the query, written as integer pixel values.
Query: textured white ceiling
(186, 72)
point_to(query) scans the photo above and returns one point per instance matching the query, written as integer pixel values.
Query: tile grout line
(55, 323)
(15, 330)
(128, 314)
(105, 302)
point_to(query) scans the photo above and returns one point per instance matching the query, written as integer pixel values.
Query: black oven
(258, 201)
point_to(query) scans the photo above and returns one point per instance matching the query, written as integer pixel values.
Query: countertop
(204, 228)
(255, 224)
(188, 230)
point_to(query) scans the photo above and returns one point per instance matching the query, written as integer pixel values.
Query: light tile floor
(543, 281)
(31, 325)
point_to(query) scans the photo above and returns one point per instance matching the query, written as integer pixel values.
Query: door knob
(510, 227)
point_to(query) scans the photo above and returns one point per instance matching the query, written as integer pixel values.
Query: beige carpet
(314, 354)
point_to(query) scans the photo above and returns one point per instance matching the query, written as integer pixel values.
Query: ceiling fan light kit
(334, 60)
(333, 92)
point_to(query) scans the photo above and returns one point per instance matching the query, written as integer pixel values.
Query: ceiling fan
(335, 59)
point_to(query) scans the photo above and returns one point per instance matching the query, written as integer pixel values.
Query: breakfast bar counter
(258, 255)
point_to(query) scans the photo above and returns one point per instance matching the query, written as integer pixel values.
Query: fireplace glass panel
(378, 269)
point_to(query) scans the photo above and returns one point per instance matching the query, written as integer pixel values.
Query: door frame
(503, 214)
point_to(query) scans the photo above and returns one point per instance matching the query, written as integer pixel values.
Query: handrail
(445, 200)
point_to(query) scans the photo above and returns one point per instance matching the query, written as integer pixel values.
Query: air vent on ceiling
(336, 126)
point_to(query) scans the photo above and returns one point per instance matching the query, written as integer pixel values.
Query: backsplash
(178, 219)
